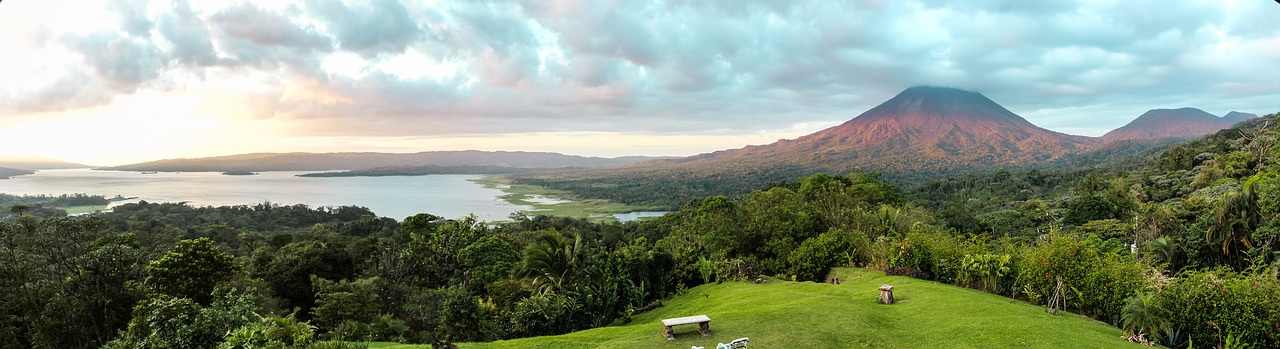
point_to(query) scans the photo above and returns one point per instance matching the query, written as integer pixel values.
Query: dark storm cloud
(705, 66)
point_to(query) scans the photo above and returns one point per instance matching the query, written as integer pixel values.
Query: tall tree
(191, 270)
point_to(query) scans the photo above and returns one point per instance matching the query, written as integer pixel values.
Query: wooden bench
(704, 325)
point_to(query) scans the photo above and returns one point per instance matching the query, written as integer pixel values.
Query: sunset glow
(123, 81)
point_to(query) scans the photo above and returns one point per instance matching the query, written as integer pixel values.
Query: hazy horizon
(123, 81)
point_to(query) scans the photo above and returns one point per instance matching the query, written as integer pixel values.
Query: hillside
(1182, 123)
(811, 315)
(6, 172)
(356, 161)
(37, 163)
(1236, 117)
(417, 171)
(922, 132)
(922, 128)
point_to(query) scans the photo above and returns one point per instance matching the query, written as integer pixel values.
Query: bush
(271, 332)
(540, 315)
(1210, 305)
(816, 256)
(381, 329)
(168, 322)
(1057, 257)
(342, 301)
(1109, 283)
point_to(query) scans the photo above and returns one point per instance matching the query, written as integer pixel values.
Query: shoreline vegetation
(550, 202)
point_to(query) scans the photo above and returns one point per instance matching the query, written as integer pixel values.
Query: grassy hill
(809, 315)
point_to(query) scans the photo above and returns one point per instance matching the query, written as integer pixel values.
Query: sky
(123, 81)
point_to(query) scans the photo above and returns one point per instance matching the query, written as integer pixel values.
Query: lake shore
(556, 203)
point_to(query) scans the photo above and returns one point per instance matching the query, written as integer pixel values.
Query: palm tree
(1143, 313)
(1164, 250)
(551, 262)
(1237, 216)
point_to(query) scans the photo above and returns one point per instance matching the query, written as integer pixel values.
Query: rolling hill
(6, 172)
(37, 163)
(810, 315)
(356, 161)
(1182, 123)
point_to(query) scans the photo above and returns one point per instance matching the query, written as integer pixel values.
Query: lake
(450, 196)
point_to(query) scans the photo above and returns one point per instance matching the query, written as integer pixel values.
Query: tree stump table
(886, 294)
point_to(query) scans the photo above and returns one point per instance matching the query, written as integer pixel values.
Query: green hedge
(1243, 305)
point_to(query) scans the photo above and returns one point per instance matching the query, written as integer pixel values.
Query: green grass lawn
(73, 210)
(522, 194)
(784, 314)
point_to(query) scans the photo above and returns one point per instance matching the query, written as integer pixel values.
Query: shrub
(381, 329)
(1145, 313)
(1243, 305)
(816, 256)
(1110, 281)
(271, 332)
(1056, 257)
(341, 301)
(168, 322)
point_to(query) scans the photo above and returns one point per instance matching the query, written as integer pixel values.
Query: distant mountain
(418, 171)
(1182, 123)
(920, 129)
(922, 132)
(1236, 117)
(258, 162)
(37, 163)
(6, 172)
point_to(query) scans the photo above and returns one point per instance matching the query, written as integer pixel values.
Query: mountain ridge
(303, 161)
(922, 132)
(954, 127)
(37, 163)
(1181, 123)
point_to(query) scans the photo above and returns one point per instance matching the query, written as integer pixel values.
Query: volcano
(1179, 123)
(923, 128)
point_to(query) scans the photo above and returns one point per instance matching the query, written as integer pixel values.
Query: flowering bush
(1211, 305)
(1095, 283)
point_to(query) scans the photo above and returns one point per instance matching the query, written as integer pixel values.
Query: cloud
(378, 27)
(187, 35)
(124, 62)
(387, 67)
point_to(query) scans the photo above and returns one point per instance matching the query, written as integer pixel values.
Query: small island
(239, 173)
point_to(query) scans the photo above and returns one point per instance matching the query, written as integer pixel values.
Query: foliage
(553, 262)
(770, 314)
(191, 270)
(170, 322)
(487, 260)
(289, 269)
(271, 332)
(1144, 313)
(816, 256)
(987, 270)
(339, 302)
(1209, 305)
